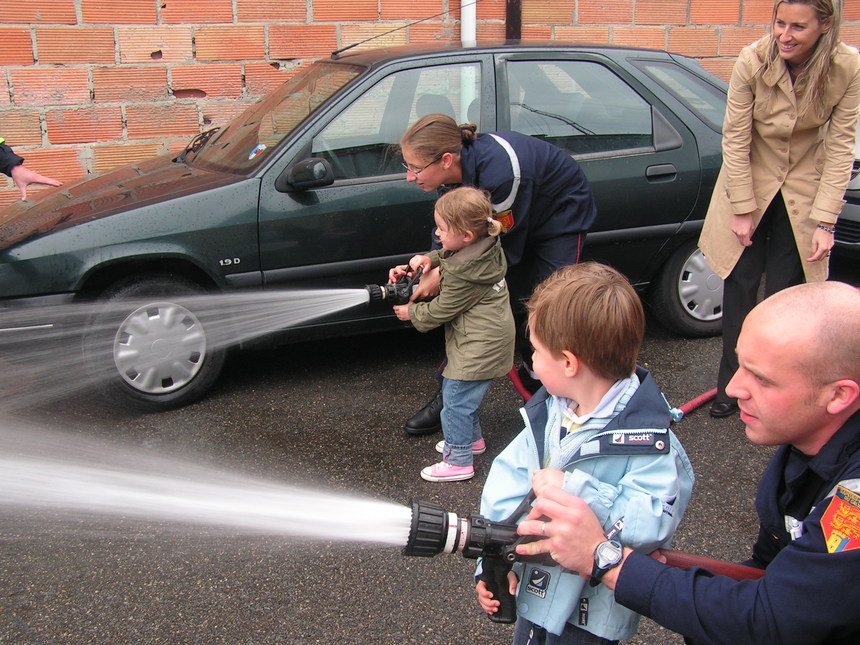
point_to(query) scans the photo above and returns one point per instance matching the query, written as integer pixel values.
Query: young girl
(473, 305)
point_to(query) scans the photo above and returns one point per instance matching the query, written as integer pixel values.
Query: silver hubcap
(159, 348)
(700, 290)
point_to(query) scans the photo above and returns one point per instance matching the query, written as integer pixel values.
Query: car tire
(687, 296)
(147, 348)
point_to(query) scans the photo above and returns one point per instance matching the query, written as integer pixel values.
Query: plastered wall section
(90, 85)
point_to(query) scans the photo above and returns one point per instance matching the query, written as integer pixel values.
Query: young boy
(599, 429)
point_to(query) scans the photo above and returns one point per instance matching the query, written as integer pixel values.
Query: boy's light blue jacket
(633, 468)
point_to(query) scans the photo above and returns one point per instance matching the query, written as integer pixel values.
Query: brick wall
(94, 84)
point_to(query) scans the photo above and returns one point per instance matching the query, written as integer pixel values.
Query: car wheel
(687, 297)
(148, 348)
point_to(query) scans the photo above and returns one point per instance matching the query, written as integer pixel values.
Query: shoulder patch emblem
(841, 521)
(506, 219)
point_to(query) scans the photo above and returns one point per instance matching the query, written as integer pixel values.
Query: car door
(640, 159)
(352, 232)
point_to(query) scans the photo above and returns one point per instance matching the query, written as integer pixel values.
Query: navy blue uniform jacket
(807, 595)
(543, 187)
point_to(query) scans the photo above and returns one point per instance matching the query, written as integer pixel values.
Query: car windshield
(251, 137)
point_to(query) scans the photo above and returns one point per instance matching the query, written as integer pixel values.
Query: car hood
(121, 190)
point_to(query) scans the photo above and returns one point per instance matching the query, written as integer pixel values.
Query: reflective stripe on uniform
(515, 167)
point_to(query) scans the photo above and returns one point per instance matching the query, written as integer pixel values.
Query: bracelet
(825, 227)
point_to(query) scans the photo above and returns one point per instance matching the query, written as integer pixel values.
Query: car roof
(375, 57)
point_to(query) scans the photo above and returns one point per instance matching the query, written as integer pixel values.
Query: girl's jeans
(460, 423)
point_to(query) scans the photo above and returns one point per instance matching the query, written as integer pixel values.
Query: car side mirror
(307, 173)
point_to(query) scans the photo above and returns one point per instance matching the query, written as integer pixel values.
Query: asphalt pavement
(327, 416)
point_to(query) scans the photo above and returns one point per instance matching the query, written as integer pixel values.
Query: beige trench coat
(766, 148)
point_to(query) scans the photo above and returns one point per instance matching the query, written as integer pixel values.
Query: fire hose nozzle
(398, 292)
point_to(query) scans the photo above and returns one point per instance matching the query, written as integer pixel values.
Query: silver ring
(543, 528)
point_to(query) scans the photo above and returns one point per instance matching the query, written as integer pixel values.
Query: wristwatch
(607, 555)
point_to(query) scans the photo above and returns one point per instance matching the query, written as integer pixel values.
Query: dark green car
(306, 190)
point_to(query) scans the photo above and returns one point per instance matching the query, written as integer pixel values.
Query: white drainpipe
(468, 23)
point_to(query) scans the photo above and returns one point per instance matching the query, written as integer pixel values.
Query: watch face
(608, 554)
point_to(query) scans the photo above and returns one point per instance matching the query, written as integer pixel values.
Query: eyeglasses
(418, 171)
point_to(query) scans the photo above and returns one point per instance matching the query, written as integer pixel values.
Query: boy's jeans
(460, 423)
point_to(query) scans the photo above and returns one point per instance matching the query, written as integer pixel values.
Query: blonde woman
(788, 148)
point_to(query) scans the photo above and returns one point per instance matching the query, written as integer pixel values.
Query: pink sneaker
(445, 472)
(478, 448)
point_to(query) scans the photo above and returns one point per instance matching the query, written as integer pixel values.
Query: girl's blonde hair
(467, 209)
(433, 135)
(810, 83)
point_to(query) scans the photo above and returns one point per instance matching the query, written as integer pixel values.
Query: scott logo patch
(538, 582)
(639, 439)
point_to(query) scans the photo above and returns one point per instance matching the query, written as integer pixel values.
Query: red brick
(344, 10)
(491, 10)
(63, 163)
(361, 31)
(52, 86)
(154, 44)
(162, 121)
(715, 12)
(21, 128)
(271, 11)
(220, 113)
(408, 9)
(757, 12)
(42, 12)
(70, 45)
(489, 31)
(109, 157)
(648, 37)
(434, 32)
(850, 11)
(133, 84)
(733, 39)
(194, 11)
(536, 32)
(548, 13)
(606, 12)
(238, 42)
(84, 125)
(660, 12)
(262, 78)
(212, 80)
(693, 41)
(850, 34)
(119, 12)
(720, 67)
(16, 48)
(583, 35)
(301, 41)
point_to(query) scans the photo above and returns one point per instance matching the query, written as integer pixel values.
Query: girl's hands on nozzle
(485, 596)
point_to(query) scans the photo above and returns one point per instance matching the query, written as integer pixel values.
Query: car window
(700, 97)
(580, 106)
(361, 141)
(249, 139)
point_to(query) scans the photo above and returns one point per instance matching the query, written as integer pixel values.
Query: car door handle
(661, 172)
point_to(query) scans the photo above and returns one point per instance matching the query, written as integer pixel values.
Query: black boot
(428, 419)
